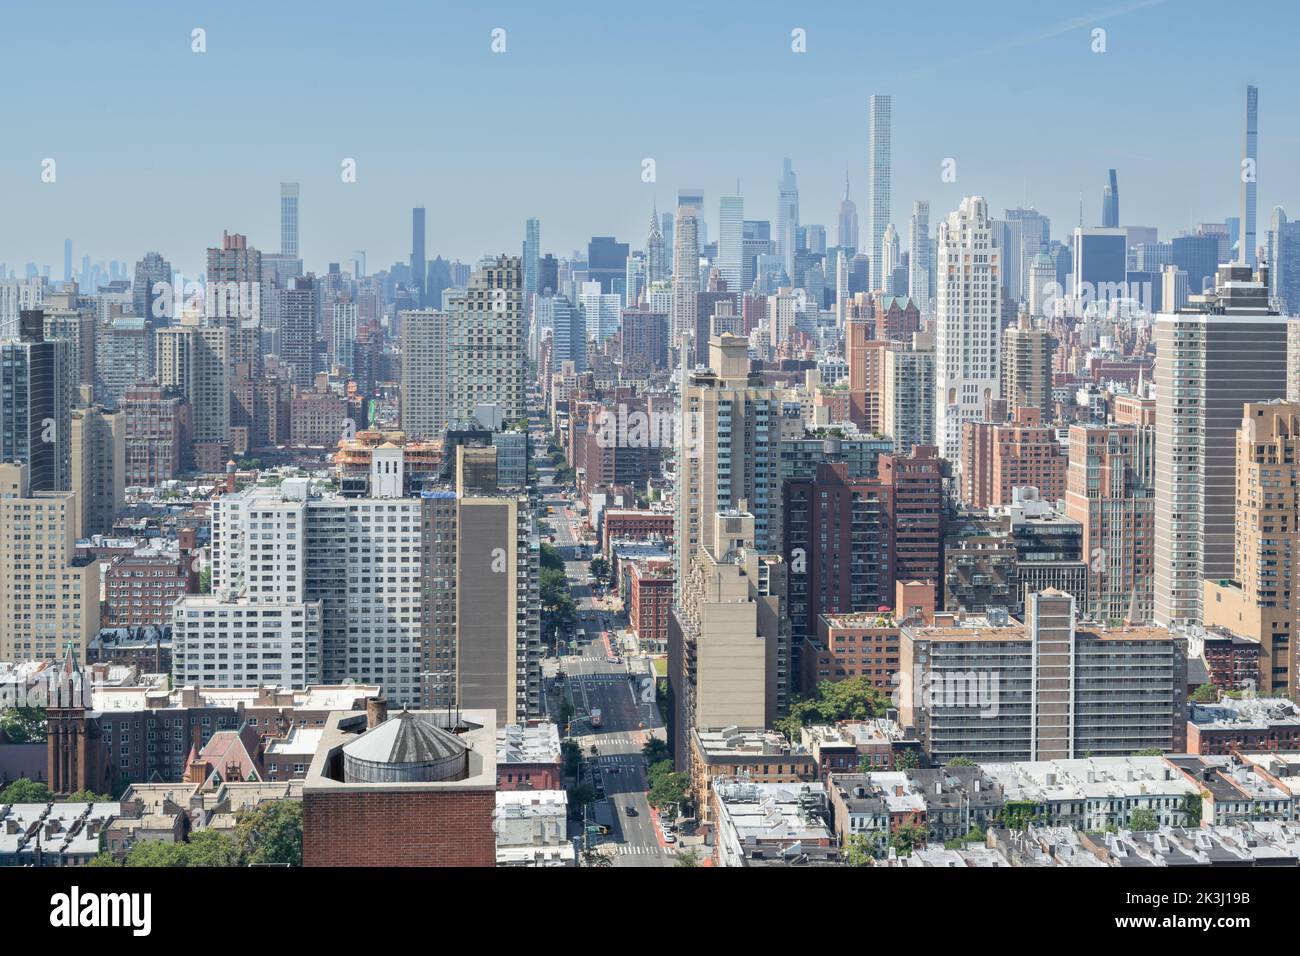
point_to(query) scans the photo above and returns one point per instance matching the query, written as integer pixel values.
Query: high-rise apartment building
(968, 308)
(418, 267)
(1259, 602)
(37, 382)
(485, 364)
(289, 219)
(918, 256)
(297, 308)
(152, 281)
(787, 217)
(879, 169)
(729, 457)
(1249, 179)
(1110, 491)
(98, 467)
(686, 272)
(907, 396)
(728, 635)
(426, 344)
(1027, 367)
(158, 425)
(1226, 348)
(532, 255)
(49, 598)
(992, 689)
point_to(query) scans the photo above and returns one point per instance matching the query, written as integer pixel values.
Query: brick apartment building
(415, 789)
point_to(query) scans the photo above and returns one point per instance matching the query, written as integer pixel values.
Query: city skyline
(478, 195)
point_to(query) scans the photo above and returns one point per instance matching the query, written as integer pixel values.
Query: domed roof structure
(405, 748)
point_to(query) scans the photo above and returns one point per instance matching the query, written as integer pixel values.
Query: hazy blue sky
(161, 148)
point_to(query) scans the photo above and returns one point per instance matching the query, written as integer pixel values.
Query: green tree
(103, 859)
(572, 757)
(975, 835)
(156, 853)
(89, 796)
(833, 701)
(907, 838)
(24, 725)
(599, 568)
(271, 833)
(1205, 694)
(1192, 808)
(1018, 814)
(580, 794)
(961, 762)
(551, 558)
(654, 750)
(906, 760)
(211, 848)
(668, 788)
(859, 849)
(23, 790)
(205, 581)
(688, 858)
(1148, 752)
(1143, 818)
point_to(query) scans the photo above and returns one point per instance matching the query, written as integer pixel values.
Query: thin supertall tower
(1249, 165)
(878, 196)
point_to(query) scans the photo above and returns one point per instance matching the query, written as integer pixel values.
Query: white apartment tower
(968, 306)
(686, 272)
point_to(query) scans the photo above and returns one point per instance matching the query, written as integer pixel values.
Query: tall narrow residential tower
(880, 160)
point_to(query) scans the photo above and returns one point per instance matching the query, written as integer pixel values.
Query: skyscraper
(426, 342)
(847, 234)
(297, 309)
(918, 259)
(289, 219)
(486, 361)
(1284, 261)
(656, 251)
(532, 253)
(607, 263)
(731, 218)
(787, 217)
(968, 307)
(1110, 203)
(879, 157)
(1249, 166)
(1224, 350)
(150, 272)
(686, 271)
(417, 254)
(889, 256)
(37, 380)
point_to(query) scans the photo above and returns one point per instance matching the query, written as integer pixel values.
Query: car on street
(630, 810)
(670, 837)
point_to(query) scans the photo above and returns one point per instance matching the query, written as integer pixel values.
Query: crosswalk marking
(627, 849)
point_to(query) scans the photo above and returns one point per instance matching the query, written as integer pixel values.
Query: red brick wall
(430, 828)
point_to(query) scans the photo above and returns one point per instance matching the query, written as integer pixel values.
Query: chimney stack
(376, 711)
